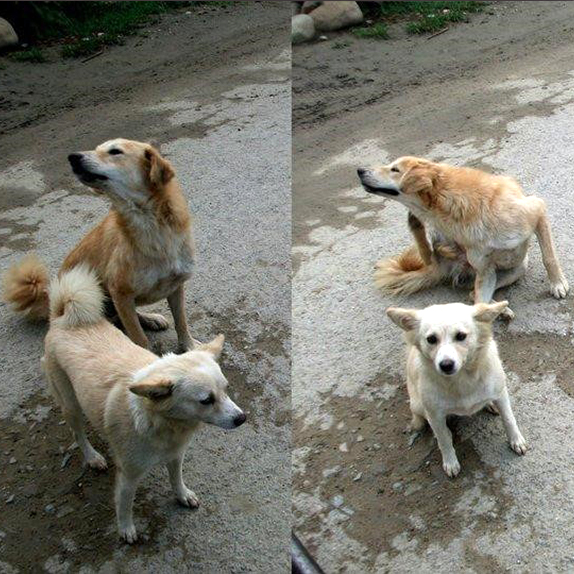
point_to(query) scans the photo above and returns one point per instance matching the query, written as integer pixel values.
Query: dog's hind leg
(63, 392)
(506, 277)
(558, 284)
(184, 496)
(418, 230)
(153, 321)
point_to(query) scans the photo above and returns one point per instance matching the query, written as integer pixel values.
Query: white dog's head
(448, 335)
(189, 388)
(128, 170)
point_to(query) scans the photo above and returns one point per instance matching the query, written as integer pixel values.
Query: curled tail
(26, 288)
(76, 297)
(407, 273)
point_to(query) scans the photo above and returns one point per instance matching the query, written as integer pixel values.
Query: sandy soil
(494, 93)
(213, 88)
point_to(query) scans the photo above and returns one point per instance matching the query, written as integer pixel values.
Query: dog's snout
(446, 366)
(361, 172)
(239, 420)
(75, 159)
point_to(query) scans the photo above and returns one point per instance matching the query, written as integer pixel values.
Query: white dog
(453, 368)
(146, 407)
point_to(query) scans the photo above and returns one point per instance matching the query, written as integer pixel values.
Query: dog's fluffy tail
(407, 273)
(26, 288)
(76, 297)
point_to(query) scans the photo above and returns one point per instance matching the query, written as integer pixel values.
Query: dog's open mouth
(87, 176)
(380, 190)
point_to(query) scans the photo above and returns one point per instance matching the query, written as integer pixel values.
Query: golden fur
(481, 223)
(143, 249)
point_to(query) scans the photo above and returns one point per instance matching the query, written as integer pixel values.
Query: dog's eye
(115, 151)
(394, 168)
(431, 339)
(460, 336)
(209, 400)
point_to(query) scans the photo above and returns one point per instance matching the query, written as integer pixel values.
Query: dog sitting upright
(481, 225)
(142, 251)
(453, 368)
(145, 406)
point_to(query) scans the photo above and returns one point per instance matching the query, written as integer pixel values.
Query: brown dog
(142, 251)
(481, 226)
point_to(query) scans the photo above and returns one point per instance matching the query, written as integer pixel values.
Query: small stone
(360, 438)
(377, 446)
(338, 501)
(10, 499)
(397, 486)
(343, 447)
(13, 460)
(357, 477)
(323, 38)
(50, 508)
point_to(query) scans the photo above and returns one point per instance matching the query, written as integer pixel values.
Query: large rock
(302, 28)
(336, 15)
(8, 36)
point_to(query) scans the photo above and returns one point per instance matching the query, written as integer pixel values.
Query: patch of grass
(340, 45)
(434, 18)
(30, 55)
(377, 30)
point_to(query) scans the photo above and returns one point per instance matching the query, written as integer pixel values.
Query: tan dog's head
(189, 388)
(123, 169)
(451, 335)
(410, 180)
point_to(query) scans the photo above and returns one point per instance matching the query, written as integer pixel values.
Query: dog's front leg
(515, 438)
(126, 307)
(450, 463)
(418, 231)
(125, 494)
(184, 496)
(177, 305)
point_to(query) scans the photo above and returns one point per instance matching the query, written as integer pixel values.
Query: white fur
(477, 381)
(76, 297)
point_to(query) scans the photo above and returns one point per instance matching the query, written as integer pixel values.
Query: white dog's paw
(188, 499)
(153, 321)
(560, 289)
(452, 467)
(519, 445)
(128, 534)
(97, 461)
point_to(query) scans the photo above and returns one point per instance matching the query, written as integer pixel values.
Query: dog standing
(146, 407)
(142, 251)
(482, 225)
(453, 368)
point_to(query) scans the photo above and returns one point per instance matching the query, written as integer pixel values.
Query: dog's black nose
(75, 159)
(361, 172)
(446, 366)
(239, 420)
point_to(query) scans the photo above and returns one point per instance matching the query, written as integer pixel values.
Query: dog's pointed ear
(213, 347)
(159, 169)
(488, 312)
(153, 388)
(406, 319)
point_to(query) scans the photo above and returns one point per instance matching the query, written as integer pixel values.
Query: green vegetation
(377, 30)
(422, 17)
(30, 55)
(340, 45)
(85, 27)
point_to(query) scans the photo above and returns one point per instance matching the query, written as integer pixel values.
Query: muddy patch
(387, 495)
(48, 497)
(17, 236)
